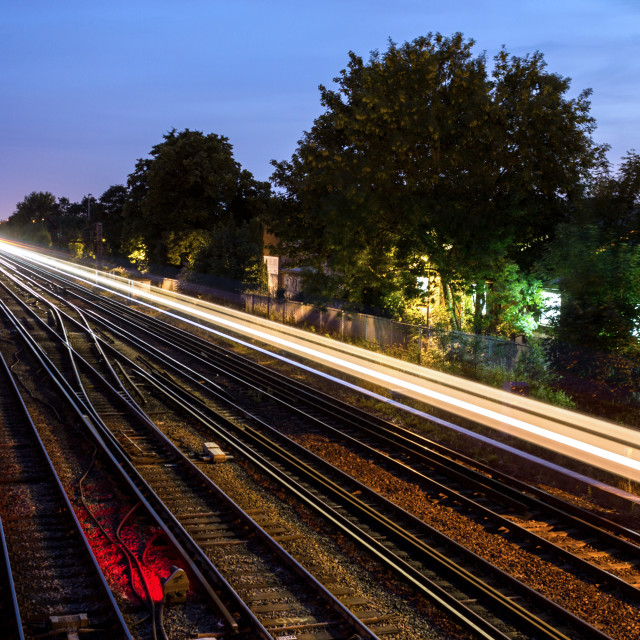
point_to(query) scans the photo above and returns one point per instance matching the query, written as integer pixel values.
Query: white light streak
(562, 433)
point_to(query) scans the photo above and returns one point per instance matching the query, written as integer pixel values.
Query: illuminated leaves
(419, 148)
(596, 260)
(190, 184)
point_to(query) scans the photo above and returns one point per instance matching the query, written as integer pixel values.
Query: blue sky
(87, 88)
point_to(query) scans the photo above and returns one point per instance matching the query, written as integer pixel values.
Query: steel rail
(511, 524)
(508, 490)
(335, 604)
(598, 573)
(392, 364)
(13, 625)
(42, 451)
(214, 420)
(462, 614)
(486, 478)
(471, 620)
(476, 627)
(534, 411)
(124, 469)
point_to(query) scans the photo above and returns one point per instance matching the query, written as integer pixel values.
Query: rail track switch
(71, 624)
(175, 587)
(213, 451)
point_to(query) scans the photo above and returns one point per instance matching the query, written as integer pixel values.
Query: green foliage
(514, 303)
(614, 204)
(552, 395)
(36, 207)
(68, 221)
(42, 219)
(599, 283)
(110, 212)
(76, 250)
(36, 234)
(596, 261)
(419, 152)
(182, 246)
(190, 184)
(32, 220)
(231, 255)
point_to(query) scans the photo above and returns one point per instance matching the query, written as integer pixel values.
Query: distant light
(550, 307)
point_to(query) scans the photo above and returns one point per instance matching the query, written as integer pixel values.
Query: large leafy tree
(33, 218)
(423, 160)
(190, 183)
(595, 260)
(36, 207)
(231, 257)
(109, 211)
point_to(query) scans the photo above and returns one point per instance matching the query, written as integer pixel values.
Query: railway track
(124, 531)
(206, 521)
(54, 582)
(324, 419)
(9, 609)
(463, 479)
(466, 483)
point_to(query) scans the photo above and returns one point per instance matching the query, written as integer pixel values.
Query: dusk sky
(89, 87)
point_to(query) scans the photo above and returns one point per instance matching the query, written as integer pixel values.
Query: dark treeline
(432, 176)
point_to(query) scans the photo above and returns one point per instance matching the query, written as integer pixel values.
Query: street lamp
(89, 207)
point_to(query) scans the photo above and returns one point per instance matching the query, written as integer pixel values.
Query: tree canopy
(33, 218)
(190, 183)
(36, 207)
(423, 160)
(595, 261)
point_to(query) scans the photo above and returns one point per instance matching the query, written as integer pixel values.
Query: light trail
(588, 439)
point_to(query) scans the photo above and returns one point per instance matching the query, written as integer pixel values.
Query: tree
(595, 259)
(231, 256)
(36, 207)
(33, 218)
(110, 212)
(189, 184)
(514, 303)
(422, 160)
(614, 204)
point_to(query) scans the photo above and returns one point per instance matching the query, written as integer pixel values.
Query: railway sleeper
(220, 543)
(211, 535)
(287, 537)
(374, 617)
(338, 591)
(273, 607)
(297, 622)
(353, 601)
(269, 594)
(385, 630)
(218, 524)
(199, 515)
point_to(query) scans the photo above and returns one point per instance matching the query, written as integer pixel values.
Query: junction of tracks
(174, 469)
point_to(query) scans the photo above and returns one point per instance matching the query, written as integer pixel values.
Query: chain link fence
(420, 342)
